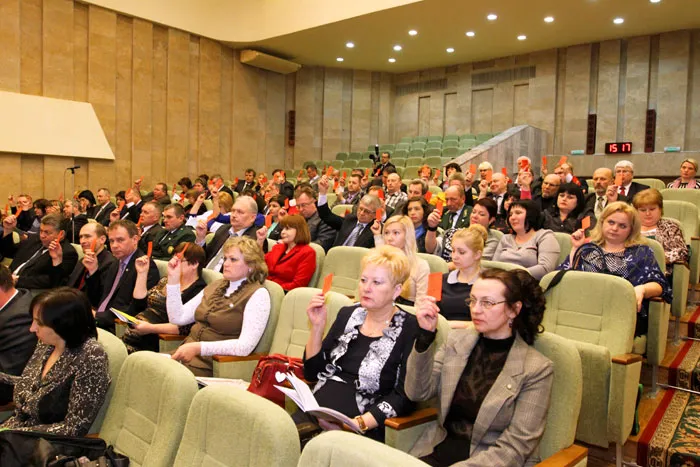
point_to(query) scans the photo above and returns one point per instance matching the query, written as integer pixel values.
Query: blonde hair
(409, 248)
(390, 257)
(650, 196)
(634, 238)
(474, 237)
(691, 161)
(225, 201)
(252, 255)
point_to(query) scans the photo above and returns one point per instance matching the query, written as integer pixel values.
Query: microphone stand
(72, 212)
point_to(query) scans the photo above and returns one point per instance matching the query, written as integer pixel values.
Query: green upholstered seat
(116, 354)
(344, 263)
(435, 263)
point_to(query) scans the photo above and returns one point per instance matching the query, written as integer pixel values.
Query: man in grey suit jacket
(321, 233)
(16, 341)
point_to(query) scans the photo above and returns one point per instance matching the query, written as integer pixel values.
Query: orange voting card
(211, 217)
(327, 283)
(61, 198)
(544, 161)
(7, 209)
(562, 160)
(428, 196)
(329, 171)
(93, 245)
(472, 169)
(235, 181)
(586, 223)
(345, 174)
(618, 180)
(504, 171)
(184, 249)
(347, 211)
(128, 192)
(268, 220)
(488, 176)
(150, 249)
(378, 215)
(380, 193)
(336, 185)
(366, 172)
(286, 203)
(435, 285)
(437, 173)
(121, 205)
(140, 180)
(301, 174)
(438, 207)
(174, 187)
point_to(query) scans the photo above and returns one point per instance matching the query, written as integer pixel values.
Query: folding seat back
(435, 263)
(344, 263)
(116, 354)
(652, 183)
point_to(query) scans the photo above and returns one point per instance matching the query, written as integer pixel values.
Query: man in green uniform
(174, 232)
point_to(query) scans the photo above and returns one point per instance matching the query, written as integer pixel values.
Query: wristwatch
(361, 422)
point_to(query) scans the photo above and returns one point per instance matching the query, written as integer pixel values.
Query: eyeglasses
(486, 305)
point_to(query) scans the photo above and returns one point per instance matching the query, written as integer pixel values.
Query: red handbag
(263, 381)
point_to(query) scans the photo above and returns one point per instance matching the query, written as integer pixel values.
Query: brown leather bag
(263, 381)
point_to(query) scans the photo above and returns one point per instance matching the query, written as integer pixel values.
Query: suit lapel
(505, 387)
(451, 375)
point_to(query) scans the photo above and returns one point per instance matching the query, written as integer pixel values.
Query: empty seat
(305, 164)
(340, 449)
(387, 147)
(450, 144)
(651, 183)
(416, 153)
(365, 164)
(483, 136)
(433, 144)
(370, 148)
(116, 354)
(451, 153)
(468, 142)
(420, 139)
(355, 156)
(417, 161)
(400, 153)
(344, 263)
(432, 152)
(350, 164)
(405, 146)
(467, 136)
(399, 161)
(411, 172)
(341, 156)
(435, 263)
(399, 170)
(433, 161)
(452, 137)
(407, 139)
(564, 240)
(445, 160)
(435, 138)
(418, 145)
(338, 210)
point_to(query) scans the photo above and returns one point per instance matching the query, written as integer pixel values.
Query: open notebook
(304, 398)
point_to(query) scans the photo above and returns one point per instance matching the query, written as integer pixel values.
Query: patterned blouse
(670, 235)
(66, 400)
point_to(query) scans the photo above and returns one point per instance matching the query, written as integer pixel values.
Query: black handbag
(34, 449)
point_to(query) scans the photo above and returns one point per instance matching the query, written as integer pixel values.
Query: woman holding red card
(360, 365)
(399, 233)
(291, 262)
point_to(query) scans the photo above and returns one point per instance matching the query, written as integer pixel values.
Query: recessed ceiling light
(655, 1)
(449, 50)
(397, 48)
(492, 17)
(549, 19)
(619, 20)
(412, 32)
(470, 34)
(522, 37)
(339, 59)
(349, 45)
(392, 60)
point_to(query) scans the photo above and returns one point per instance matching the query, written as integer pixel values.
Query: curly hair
(522, 287)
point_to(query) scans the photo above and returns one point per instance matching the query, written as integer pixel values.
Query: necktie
(217, 261)
(499, 198)
(599, 206)
(623, 192)
(105, 302)
(352, 238)
(38, 253)
(451, 219)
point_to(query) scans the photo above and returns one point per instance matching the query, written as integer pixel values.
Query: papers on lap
(238, 383)
(123, 316)
(304, 398)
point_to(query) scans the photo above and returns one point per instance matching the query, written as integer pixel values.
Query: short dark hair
(418, 181)
(389, 170)
(427, 207)
(54, 220)
(205, 179)
(490, 205)
(522, 287)
(571, 189)
(186, 182)
(68, 312)
(249, 170)
(6, 282)
(130, 227)
(177, 208)
(156, 205)
(163, 186)
(194, 255)
(305, 190)
(279, 199)
(42, 204)
(533, 214)
(312, 167)
(453, 165)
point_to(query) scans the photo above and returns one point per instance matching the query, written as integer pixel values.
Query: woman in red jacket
(291, 262)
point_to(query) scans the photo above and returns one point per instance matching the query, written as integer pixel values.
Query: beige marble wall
(576, 97)
(482, 111)
(672, 90)
(608, 93)
(636, 90)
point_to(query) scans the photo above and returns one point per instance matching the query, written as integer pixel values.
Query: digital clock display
(618, 148)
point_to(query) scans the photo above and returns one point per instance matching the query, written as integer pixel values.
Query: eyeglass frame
(483, 303)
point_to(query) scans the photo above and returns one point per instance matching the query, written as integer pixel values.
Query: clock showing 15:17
(618, 148)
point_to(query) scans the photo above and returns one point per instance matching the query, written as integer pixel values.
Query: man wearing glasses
(628, 188)
(321, 233)
(548, 197)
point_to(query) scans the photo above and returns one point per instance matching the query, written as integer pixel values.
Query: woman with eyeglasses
(498, 386)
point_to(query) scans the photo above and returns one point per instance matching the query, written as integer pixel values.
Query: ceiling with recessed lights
(449, 32)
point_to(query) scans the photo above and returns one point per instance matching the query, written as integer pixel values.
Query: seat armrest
(568, 457)
(169, 342)
(657, 331)
(694, 260)
(625, 372)
(236, 358)
(119, 328)
(236, 367)
(416, 418)
(627, 359)
(171, 337)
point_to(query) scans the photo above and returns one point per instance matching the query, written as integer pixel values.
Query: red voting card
(347, 211)
(121, 205)
(488, 176)
(437, 173)
(264, 180)
(93, 245)
(174, 187)
(235, 181)
(378, 215)
(150, 249)
(293, 210)
(438, 207)
(345, 174)
(61, 198)
(182, 253)
(268, 220)
(435, 285)
(336, 185)
(366, 172)
(327, 283)
(211, 217)
(562, 160)
(301, 174)
(329, 171)
(140, 180)
(140, 220)
(544, 161)
(7, 209)
(472, 169)
(618, 180)
(504, 171)
(286, 203)
(380, 193)
(128, 192)
(586, 223)
(428, 196)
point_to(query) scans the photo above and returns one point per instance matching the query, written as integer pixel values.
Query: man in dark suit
(150, 224)
(174, 232)
(73, 220)
(218, 181)
(87, 203)
(115, 285)
(16, 341)
(243, 214)
(133, 207)
(376, 190)
(92, 232)
(159, 194)
(104, 206)
(351, 194)
(455, 216)
(248, 183)
(385, 162)
(604, 192)
(24, 212)
(628, 188)
(31, 260)
(353, 229)
(314, 177)
(285, 188)
(500, 193)
(321, 233)
(547, 197)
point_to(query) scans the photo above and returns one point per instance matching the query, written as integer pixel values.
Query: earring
(510, 322)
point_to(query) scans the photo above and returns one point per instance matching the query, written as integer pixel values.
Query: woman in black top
(564, 216)
(360, 365)
(467, 248)
(65, 382)
(150, 306)
(417, 209)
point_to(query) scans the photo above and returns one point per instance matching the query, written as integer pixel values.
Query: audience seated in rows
(566, 214)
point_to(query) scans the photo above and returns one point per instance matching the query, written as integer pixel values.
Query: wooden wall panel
(159, 109)
(248, 141)
(636, 90)
(332, 112)
(125, 55)
(361, 109)
(451, 113)
(209, 104)
(80, 78)
(275, 122)
(692, 135)
(226, 114)
(424, 116)
(193, 134)
(31, 19)
(672, 90)
(10, 81)
(608, 93)
(177, 104)
(142, 98)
